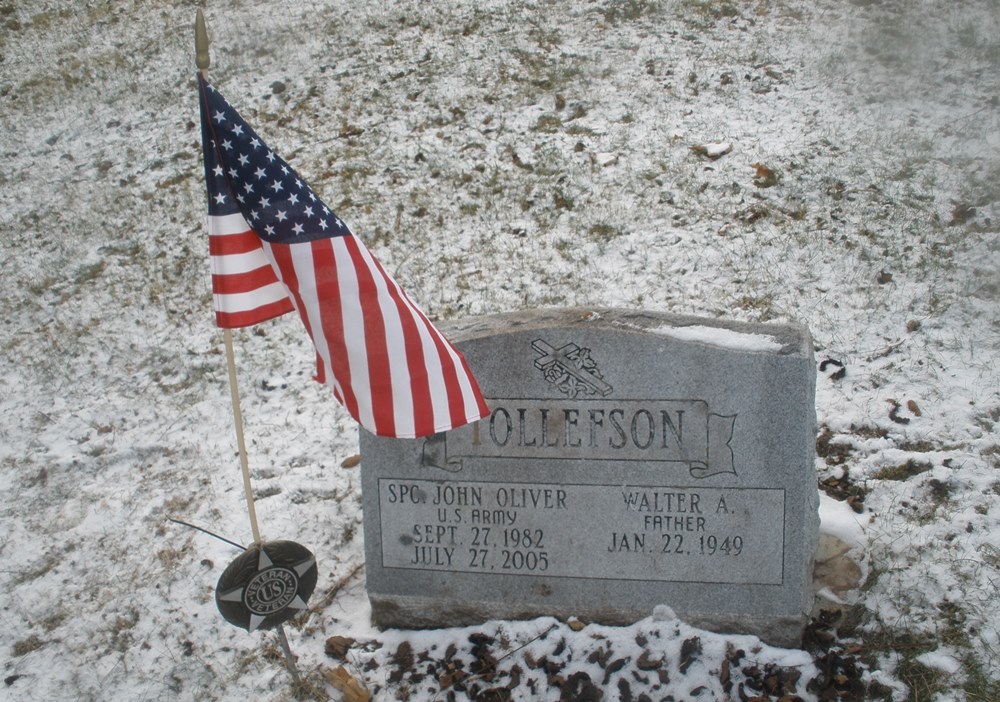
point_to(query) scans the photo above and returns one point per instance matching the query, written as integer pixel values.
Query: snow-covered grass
(496, 156)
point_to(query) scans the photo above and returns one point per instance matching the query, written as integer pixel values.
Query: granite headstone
(631, 460)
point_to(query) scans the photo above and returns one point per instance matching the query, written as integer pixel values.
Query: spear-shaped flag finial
(201, 57)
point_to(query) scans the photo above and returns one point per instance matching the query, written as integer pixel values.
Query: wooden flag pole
(203, 61)
(234, 394)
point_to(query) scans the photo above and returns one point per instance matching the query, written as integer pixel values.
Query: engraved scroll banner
(669, 431)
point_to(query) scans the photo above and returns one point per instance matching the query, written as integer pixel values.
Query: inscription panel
(652, 533)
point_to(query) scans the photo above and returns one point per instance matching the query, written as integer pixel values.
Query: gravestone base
(630, 460)
(414, 612)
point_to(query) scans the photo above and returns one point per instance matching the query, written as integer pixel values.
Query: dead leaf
(349, 130)
(912, 406)
(753, 213)
(765, 176)
(351, 461)
(613, 668)
(690, 650)
(962, 213)
(337, 646)
(893, 416)
(450, 677)
(600, 656)
(403, 661)
(647, 662)
(352, 690)
(832, 362)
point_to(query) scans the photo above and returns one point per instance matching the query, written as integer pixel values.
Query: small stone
(606, 159)
(276, 383)
(835, 568)
(713, 150)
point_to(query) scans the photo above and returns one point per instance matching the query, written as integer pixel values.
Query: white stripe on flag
(305, 274)
(234, 264)
(227, 224)
(243, 302)
(353, 313)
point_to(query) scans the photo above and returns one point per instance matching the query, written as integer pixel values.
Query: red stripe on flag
(459, 413)
(285, 262)
(281, 254)
(235, 283)
(331, 319)
(321, 373)
(379, 373)
(420, 387)
(482, 409)
(456, 403)
(230, 244)
(247, 318)
(317, 291)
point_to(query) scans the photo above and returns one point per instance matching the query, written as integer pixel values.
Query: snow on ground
(496, 156)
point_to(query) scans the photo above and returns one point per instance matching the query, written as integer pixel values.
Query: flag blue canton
(245, 176)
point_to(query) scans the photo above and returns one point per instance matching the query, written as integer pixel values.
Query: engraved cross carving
(567, 360)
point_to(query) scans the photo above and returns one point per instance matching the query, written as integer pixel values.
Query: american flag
(275, 247)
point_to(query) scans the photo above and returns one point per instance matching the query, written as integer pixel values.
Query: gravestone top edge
(786, 339)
